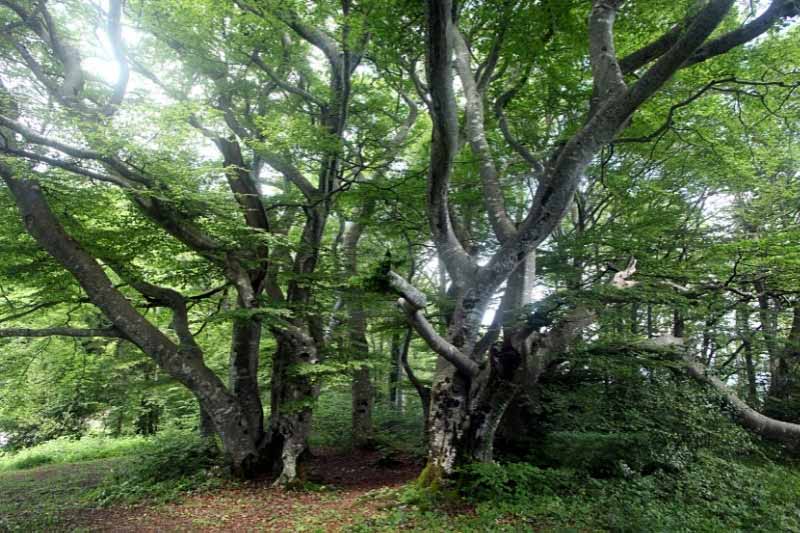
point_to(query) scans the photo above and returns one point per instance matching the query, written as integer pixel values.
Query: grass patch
(65, 450)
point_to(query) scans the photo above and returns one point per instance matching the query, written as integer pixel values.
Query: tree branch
(444, 139)
(492, 192)
(61, 332)
(438, 344)
(606, 72)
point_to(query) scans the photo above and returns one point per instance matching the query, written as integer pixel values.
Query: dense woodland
(527, 243)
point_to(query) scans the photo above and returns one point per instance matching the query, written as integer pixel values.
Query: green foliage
(512, 482)
(393, 431)
(172, 464)
(611, 417)
(713, 495)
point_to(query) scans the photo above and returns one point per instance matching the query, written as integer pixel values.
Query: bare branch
(81, 153)
(777, 10)
(411, 294)
(71, 167)
(283, 84)
(606, 71)
(499, 111)
(120, 55)
(289, 171)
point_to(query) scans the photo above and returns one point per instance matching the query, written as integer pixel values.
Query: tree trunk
(743, 331)
(294, 392)
(447, 423)
(206, 425)
(361, 386)
(395, 372)
(363, 400)
(243, 368)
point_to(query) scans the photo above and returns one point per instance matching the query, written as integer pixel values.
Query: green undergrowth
(172, 465)
(159, 468)
(50, 497)
(643, 452)
(712, 495)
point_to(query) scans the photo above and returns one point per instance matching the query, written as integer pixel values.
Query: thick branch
(606, 71)
(444, 140)
(61, 332)
(555, 194)
(405, 289)
(492, 192)
(777, 10)
(438, 344)
(765, 426)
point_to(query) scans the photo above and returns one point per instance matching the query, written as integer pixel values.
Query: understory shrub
(175, 462)
(512, 482)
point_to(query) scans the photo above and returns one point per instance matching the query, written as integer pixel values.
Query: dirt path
(347, 486)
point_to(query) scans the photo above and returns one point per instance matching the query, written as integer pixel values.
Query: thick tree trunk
(363, 400)
(447, 423)
(293, 394)
(361, 386)
(466, 412)
(205, 425)
(243, 368)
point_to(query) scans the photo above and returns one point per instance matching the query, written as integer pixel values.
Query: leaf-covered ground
(346, 491)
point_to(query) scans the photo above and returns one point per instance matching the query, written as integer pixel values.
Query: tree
(242, 68)
(472, 390)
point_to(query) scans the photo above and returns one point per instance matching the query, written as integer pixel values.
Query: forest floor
(344, 489)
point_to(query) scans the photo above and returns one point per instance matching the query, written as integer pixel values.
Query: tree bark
(395, 372)
(361, 388)
(294, 391)
(243, 368)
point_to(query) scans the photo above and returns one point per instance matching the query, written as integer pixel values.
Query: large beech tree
(473, 388)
